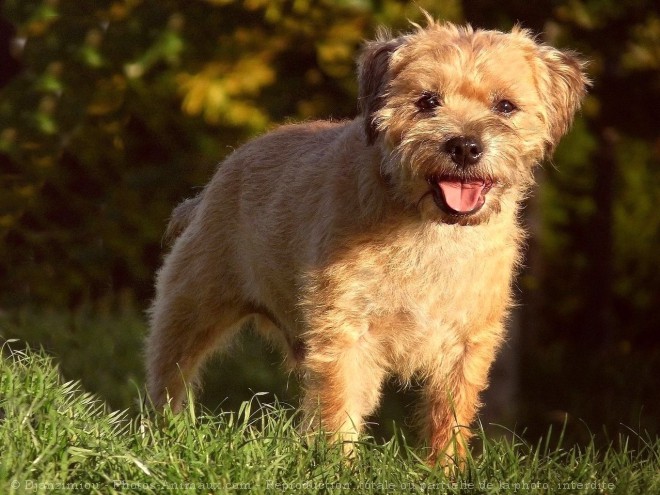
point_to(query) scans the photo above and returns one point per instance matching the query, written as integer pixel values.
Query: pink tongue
(462, 197)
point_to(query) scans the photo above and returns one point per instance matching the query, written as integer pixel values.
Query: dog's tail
(180, 218)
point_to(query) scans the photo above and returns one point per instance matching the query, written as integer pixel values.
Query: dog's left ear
(373, 78)
(565, 87)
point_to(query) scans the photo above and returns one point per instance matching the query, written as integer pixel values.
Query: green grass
(57, 439)
(103, 348)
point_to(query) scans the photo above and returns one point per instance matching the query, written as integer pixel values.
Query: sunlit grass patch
(57, 437)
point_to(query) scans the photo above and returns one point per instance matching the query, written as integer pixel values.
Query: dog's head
(462, 115)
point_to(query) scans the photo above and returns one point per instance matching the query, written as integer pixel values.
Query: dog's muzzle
(463, 193)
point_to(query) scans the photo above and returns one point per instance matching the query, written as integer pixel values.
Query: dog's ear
(565, 85)
(373, 78)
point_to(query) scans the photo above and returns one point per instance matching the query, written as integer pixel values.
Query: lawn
(58, 439)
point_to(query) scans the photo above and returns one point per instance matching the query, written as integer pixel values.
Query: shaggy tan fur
(345, 243)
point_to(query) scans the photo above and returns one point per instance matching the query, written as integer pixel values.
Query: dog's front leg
(452, 401)
(343, 379)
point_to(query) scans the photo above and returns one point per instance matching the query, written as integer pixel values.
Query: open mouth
(460, 196)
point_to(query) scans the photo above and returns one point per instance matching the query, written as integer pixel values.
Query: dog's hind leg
(183, 335)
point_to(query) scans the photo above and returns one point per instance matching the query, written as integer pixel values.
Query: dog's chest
(437, 294)
(454, 279)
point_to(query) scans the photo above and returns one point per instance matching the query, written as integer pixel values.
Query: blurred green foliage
(120, 109)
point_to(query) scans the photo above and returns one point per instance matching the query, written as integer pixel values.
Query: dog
(385, 245)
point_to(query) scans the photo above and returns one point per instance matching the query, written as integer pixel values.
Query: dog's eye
(428, 101)
(505, 107)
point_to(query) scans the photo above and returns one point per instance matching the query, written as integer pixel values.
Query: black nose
(464, 150)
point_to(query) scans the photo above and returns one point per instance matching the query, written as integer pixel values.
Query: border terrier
(377, 246)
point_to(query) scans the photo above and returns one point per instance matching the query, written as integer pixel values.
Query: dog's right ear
(566, 84)
(373, 78)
